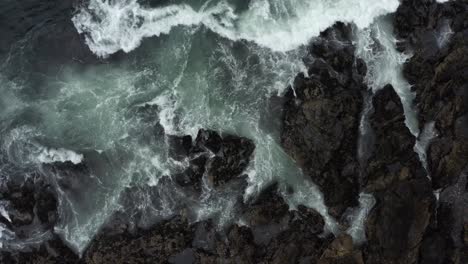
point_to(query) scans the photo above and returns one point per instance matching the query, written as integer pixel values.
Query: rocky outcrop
(392, 158)
(405, 203)
(320, 131)
(275, 235)
(28, 202)
(396, 225)
(52, 251)
(321, 118)
(158, 244)
(221, 158)
(341, 250)
(437, 35)
(444, 241)
(31, 212)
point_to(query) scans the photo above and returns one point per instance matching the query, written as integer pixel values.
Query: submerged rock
(321, 118)
(28, 200)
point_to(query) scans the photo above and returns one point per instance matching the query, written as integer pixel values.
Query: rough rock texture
(282, 236)
(222, 158)
(28, 201)
(392, 158)
(444, 240)
(407, 225)
(437, 34)
(341, 250)
(177, 241)
(396, 225)
(53, 251)
(321, 118)
(157, 244)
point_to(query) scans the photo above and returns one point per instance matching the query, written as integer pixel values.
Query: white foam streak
(23, 149)
(422, 144)
(59, 155)
(6, 235)
(358, 218)
(444, 34)
(111, 26)
(385, 66)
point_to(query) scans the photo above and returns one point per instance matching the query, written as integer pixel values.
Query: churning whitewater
(191, 65)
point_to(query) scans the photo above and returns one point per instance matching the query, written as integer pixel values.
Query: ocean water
(171, 68)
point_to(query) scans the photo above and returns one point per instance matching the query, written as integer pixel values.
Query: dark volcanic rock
(438, 72)
(267, 208)
(283, 236)
(341, 250)
(231, 155)
(392, 158)
(158, 244)
(444, 241)
(437, 34)
(31, 204)
(52, 251)
(321, 118)
(396, 225)
(221, 157)
(405, 202)
(177, 241)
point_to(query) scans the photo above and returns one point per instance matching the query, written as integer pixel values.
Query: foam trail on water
(59, 155)
(385, 66)
(190, 87)
(6, 235)
(358, 216)
(422, 144)
(111, 26)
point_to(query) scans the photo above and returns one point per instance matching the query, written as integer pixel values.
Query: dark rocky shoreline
(408, 224)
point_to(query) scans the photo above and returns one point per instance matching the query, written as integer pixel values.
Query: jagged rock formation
(405, 203)
(392, 158)
(409, 224)
(321, 118)
(222, 158)
(295, 238)
(437, 35)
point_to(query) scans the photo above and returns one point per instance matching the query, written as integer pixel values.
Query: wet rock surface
(396, 225)
(404, 199)
(220, 158)
(438, 72)
(436, 34)
(408, 224)
(392, 158)
(321, 117)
